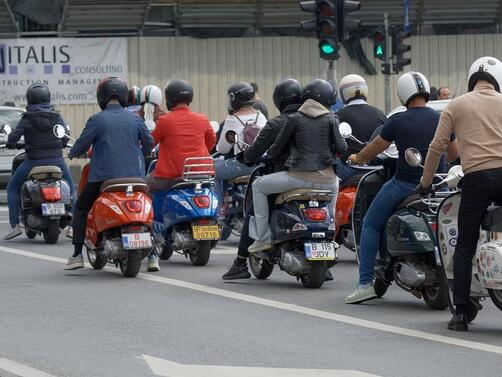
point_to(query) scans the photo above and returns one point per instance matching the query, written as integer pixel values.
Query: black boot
(458, 322)
(238, 270)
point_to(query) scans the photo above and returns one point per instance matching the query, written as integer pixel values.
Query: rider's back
(181, 134)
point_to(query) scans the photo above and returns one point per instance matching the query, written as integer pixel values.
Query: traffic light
(328, 32)
(380, 45)
(399, 48)
(310, 7)
(345, 23)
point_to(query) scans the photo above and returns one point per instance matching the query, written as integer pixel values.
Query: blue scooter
(185, 216)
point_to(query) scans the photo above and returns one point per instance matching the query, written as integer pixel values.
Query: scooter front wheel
(436, 296)
(130, 267)
(97, 261)
(167, 252)
(200, 256)
(317, 275)
(496, 296)
(260, 268)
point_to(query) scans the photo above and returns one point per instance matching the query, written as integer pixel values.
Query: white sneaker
(14, 232)
(259, 246)
(361, 294)
(69, 232)
(153, 264)
(74, 263)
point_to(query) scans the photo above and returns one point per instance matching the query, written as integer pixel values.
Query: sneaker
(69, 232)
(361, 294)
(458, 323)
(14, 232)
(74, 263)
(153, 263)
(237, 271)
(259, 246)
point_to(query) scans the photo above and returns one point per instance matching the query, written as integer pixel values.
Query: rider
(134, 99)
(475, 118)
(181, 134)
(288, 99)
(151, 100)
(42, 147)
(241, 99)
(415, 128)
(118, 139)
(313, 138)
(363, 118)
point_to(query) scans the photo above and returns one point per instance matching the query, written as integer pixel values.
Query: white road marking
(484, 347)
(161, 367)
(20, 370)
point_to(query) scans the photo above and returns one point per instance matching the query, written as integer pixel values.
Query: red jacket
(181, 134)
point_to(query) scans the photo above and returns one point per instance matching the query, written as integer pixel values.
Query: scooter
(119, 223)
(487, 262)
(45, 198)
(186, 215)
(233, 201)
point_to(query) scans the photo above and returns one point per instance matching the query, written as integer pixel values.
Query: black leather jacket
(267, 137)
(313, 137)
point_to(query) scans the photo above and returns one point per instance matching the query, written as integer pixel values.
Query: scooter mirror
(413, 157)
(59, 131)
(6, 129)
(345, 130)
(215, 125)
(455, 172)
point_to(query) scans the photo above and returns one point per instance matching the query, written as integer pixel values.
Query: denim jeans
(19, 177)
(277, 183)
(389, 196)
(225, 170)
(344, 171)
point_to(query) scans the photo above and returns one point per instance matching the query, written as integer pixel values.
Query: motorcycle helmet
(321, 91)
(134, 96)
(151, 94)
(353, 87)
(112, 88)
(486, 68)
(411, 85)
(178, 91)
(38, 93)
(287, 92)
(240, 94)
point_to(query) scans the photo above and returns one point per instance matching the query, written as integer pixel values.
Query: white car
(10, 116)
(438, 105)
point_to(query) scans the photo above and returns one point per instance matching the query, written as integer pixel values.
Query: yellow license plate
(205, 232)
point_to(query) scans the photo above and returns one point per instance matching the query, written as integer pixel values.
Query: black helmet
(178, 91)
(240, 94)
(112, 88)
(38, 93)
(320, 91)
(287, 92)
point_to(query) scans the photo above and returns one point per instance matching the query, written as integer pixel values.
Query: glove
(423, 190)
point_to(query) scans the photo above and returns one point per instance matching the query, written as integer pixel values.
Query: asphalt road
(97, 323)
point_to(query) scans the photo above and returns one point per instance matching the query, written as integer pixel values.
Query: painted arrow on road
(166, 368)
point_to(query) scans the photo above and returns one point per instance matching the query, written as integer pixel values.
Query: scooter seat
(44, 172)
(493, 220)
(121, 184)
(419, 205)
(242, 180)
(303, 194)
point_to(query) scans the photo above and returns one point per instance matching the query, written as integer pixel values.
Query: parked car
(11, 116)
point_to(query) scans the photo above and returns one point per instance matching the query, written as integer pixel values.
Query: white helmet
(486, 68)
(352, 87)
(151, 94)
(411, 85)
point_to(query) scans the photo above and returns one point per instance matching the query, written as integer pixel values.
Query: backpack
(251, 129)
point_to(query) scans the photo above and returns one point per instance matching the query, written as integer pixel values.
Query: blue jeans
(225, 170)
(344, 171)
(389, 196)
(19, 177)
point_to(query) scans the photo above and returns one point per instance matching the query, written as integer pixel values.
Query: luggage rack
(198, 169)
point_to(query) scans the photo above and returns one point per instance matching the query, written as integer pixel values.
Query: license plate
(51, 209)
(133, 241)
(320, 251)
(205, 232)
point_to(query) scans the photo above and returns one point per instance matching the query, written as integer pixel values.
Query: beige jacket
(476, 120)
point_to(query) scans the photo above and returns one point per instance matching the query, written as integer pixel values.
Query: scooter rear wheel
(496, 296)
(130, 267)
(51, 234)
(200, 257)
(316, 277)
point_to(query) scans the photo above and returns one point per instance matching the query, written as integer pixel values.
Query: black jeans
(245, 241)
(84, 204)
(479, 190)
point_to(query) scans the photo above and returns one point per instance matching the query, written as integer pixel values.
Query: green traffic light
(327, 48)
(379, 50)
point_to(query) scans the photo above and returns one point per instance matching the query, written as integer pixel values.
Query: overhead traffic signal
(329, 47)
(380, 45)
(345, 23)
(310, 7)
(399, 48)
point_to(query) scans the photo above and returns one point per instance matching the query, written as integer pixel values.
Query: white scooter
(487, 263)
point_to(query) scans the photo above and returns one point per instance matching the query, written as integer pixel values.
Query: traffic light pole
(331, 73)
(388, 64)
